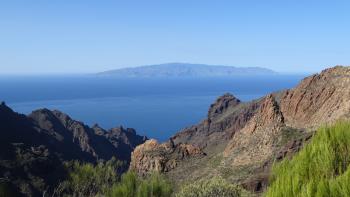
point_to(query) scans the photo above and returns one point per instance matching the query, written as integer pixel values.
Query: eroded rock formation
(240, 141)
(152, 156)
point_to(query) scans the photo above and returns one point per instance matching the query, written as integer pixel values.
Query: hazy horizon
(83, 37)
(92, 73)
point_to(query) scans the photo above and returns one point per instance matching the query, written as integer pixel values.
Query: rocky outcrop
(221, 105)
(225, 116)
(241, 140)
(34, 147)
(122, 139)
(152, 156)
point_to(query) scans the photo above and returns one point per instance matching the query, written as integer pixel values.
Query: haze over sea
(155, 107)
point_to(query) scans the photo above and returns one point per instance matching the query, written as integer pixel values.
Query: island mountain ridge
(186, 70)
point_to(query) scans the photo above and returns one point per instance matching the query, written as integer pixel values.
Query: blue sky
(87, 36)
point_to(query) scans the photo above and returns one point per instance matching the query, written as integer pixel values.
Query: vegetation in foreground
(103, 180)
(5, 190)
(209, 188)
(321, 168)
(132, 186)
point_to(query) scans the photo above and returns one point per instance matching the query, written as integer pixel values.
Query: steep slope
(68, 134)
(33, 147)
(318, 99)
(240, 140)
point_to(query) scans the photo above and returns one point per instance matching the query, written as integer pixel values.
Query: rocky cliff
(34, 147)
(240, 140)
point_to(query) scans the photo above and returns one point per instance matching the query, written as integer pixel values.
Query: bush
(88, 179)
(209, 188)
(154, 186)
(321, 168)
(127, 187)
(102, 180)
(131, 186)
(5, 190)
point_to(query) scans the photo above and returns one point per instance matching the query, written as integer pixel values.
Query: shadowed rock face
(240, 140)
(94, 143)
(33, 147)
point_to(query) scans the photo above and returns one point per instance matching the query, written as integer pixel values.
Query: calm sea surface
(154, 107)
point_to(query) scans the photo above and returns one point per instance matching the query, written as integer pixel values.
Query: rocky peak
(98, 130)
(221, 104)
(269, 111)
(336, 71)
(128, 136)
(4, 109)
(118, 130)
(45, 119)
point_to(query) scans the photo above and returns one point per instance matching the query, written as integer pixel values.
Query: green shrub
(127, 187)
(88, 179)
(154, 186)
(209, 188)
(5, 190)
(319, 169)
(133, 186)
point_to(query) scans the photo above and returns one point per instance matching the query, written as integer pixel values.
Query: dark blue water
(154, 107)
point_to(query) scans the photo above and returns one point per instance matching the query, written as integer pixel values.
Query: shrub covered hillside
(321, 168)
(88, 180)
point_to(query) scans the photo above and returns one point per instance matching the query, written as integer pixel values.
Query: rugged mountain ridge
(34, 147)
(186, 70)
(240, 141)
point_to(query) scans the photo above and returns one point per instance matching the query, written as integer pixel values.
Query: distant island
(186, 70)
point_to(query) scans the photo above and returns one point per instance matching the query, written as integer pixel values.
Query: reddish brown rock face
(318, 99)
(154, 157)
(240, 141)
(254, 143)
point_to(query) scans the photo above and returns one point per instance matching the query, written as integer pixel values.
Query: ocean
(155, 107)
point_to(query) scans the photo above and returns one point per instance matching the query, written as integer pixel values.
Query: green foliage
(127, 187)
(6, 190)
(132, 186)
(209, 188)
(88, 179)
(155, 186)
(321, 168)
